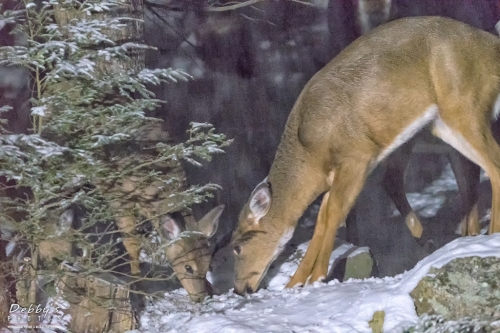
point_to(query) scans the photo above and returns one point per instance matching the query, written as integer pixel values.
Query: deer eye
(237, 249)
(189, 269)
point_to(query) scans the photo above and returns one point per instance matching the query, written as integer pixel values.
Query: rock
(377, 322)
(351, 262)
(463, 288)
(359, 266)
(438, 324)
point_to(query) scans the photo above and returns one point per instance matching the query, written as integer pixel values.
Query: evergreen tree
(92, 143)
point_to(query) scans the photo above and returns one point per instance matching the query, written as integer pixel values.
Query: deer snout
(197, 298)
(248, 284)
(243, 290)
(198, 289)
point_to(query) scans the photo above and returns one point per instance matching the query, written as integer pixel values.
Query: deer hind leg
(132, 243)
(306, 265)
(346, 186)
(393, 183)
(467, 176)
(473, 138)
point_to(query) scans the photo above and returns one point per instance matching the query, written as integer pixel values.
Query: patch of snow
(431, 199)
(334, 307)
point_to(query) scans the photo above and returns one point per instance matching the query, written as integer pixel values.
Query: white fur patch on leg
(429, 115)
(457, 141)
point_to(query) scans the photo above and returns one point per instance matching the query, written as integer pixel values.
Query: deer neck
(295, 184)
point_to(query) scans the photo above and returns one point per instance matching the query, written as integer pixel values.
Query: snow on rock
(280, 275)
(334, 307)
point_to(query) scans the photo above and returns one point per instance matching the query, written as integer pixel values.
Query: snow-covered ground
(334, 307)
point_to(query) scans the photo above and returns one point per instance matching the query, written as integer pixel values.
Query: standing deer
(185, 244)
(188, 249)
(374, 96)
(370, 14)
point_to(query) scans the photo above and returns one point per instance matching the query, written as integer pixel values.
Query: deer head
(258, 240)
(189, 250)
(68, 237)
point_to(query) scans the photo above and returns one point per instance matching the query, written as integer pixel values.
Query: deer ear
(65, 222)
(170, 228)
(260, 200)
(209, 223)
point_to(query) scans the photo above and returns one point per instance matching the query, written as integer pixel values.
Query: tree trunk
(4, 290)
(120, 317)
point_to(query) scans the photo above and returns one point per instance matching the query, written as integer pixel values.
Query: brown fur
(153, 201)
(348, 118)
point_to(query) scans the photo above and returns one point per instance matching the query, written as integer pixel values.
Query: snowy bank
(334, 307)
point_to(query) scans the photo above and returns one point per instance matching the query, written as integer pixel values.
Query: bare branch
(305, 3)
(232, 7)
(249, 3)
(222, 8)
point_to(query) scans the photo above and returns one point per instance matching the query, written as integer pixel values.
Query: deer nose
(243, 290)
(249, 290)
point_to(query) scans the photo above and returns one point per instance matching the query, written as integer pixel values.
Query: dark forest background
(249, 65)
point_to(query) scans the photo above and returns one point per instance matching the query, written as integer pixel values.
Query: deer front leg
(347, 184)
(307, 263)
(132, 243)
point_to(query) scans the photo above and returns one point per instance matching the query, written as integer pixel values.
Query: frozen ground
(333, 307)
